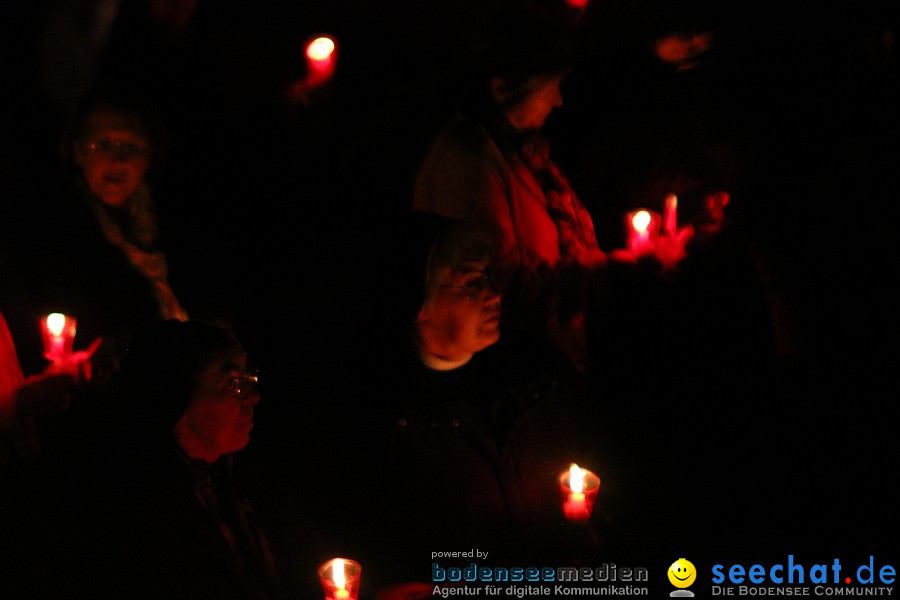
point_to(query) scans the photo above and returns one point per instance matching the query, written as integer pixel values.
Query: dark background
(276, 215)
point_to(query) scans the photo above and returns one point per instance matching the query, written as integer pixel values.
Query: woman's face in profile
(462, 316)
(219, 416)
(542, 96)
(114, 158)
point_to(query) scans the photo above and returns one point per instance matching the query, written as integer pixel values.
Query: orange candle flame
(576, 479)
(337, 573)
(340, 578)
(320, 48)
(55, 323)
(641, 221)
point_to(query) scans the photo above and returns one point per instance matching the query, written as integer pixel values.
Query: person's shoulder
(466, 136)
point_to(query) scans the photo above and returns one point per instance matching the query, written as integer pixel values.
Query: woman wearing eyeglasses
(92, 247)
(178, 525)
(113, 145)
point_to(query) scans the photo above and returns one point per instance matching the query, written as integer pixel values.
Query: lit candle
(320, 56)
(579, 487)
(643, 229)
(340, 583)
(670, 219)
(340, 579)
(58, 332)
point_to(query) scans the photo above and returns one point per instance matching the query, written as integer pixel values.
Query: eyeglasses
(117, 150)
(243, 384)
(475, 287)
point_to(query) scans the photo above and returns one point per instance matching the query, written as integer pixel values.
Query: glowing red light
(320, 49)
(340, 579)
(641, 221)
(321, 53)
(576, 479)
(55, 323)
(579, 489)
(58, 332)
(670, 218)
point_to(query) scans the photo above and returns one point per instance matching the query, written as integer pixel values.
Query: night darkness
(278, 217)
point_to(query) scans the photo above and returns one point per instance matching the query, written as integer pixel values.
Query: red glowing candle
(715, 210)
(340, 579)
(643, 230)
(320, 56)
(58, 331)
(579, 487)
(670, 219)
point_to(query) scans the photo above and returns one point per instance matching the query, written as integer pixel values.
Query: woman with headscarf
(491, 165)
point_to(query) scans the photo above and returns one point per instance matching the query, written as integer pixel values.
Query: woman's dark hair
(516, 42)
(160, 372)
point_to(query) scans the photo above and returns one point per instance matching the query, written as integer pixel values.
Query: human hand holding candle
(579, 487)
(644, 238)
(58, 331)
(643, 231)
(51, 392)
(340, 579)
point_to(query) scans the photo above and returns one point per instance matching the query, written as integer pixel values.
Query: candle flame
(320, 48)
(641, 220)
(337, 573)
(576, 479)
(55, 323)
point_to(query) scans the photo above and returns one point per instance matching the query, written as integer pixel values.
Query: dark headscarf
(516, 42)
(160, 372)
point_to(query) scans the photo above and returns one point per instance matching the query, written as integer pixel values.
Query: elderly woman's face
(113, 157)
(462, 315)
(219, 416)
(541, 98)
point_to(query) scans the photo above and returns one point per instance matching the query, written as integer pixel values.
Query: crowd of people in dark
(378, 313)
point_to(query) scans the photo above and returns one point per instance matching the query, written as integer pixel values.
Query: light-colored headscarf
(138, 244)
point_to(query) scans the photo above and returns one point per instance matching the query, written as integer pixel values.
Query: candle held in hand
(579, 487)
(643, 230)
(58, 332)
(340, 579)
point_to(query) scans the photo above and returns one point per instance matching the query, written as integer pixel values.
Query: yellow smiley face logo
(682, 573)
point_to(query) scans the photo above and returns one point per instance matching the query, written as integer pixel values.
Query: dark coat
(67, 265)
(462, 459)
(183, 529)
